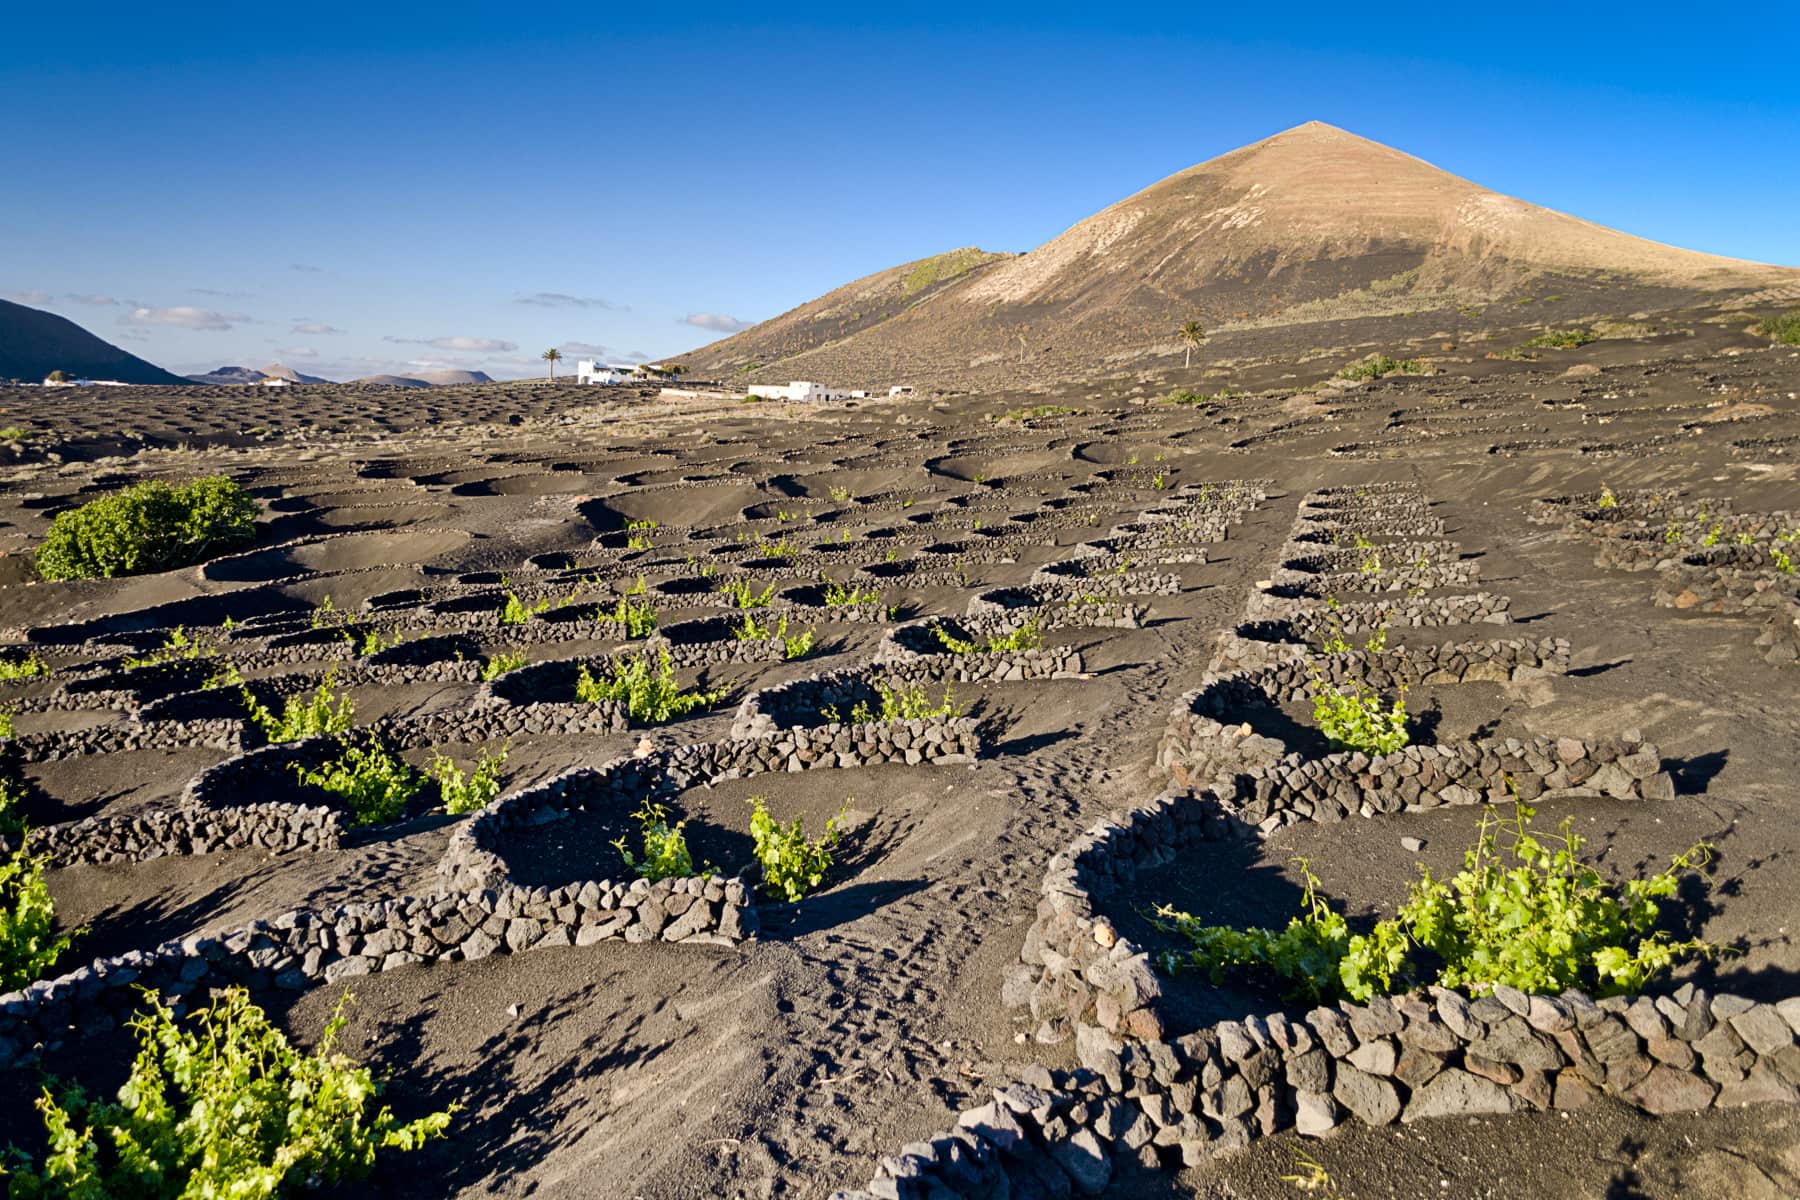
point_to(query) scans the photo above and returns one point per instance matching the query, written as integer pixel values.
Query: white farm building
(799, 389)
(588, 370)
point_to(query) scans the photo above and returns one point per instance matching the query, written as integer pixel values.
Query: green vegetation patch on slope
(941, 268)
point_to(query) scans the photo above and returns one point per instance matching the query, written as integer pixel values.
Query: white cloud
(183, 316)
(472, 345)
(298, 352)
(305, 267)
(583, 348)
(564, 300)
(717, 322)
(34, 298)
(91, 298)
(315, 327)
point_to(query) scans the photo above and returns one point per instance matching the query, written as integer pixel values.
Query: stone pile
(1780, 637)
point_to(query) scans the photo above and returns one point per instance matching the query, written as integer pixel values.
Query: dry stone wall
(1149, 1096)
(1707, 557)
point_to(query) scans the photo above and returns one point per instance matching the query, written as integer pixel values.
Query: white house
(901, 389)
(799, 389)
(587, 370)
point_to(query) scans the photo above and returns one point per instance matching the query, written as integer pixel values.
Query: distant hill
(253, 375)
(1311, 224)
(392, 381)
(428, 378)
(34, 343)
(281, 371)
(451, 376)
(229, 375)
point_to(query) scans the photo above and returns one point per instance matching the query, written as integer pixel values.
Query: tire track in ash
(869, 1007)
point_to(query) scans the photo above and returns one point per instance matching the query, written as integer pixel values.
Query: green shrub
(650, 696)
(1025, 637)
(177, 646)
(791, 865)
(153, 526)
(466, 792)
(742, 595)
(638, 535)
(1559, 339)
(7, 728)
(781, 547)
(12, 808)
(1783, 327)
(1189, 396)
(1307, 953)
(1379, 366)
(374, 784)
(224, 1106)
(517, 612)
(500, 662)
(1351, 720)
(324, 711)
(794, 645)
(839, 596)
(1544, 923)
(907, 702)
(32, 666)
(952, 643)
(1023, 416)
(665, 846)
(637, 616)
(372, 643)
(325, 614)
(29, 945)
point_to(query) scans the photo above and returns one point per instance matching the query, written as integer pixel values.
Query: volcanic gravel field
(823, 1045)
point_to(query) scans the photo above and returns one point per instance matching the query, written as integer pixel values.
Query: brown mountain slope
(846, 311)
(1311, 224)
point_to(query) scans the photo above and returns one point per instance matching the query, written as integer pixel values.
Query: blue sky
(351, 191)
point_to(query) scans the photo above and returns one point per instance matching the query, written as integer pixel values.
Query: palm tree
(1193, 333)
(552, 356)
